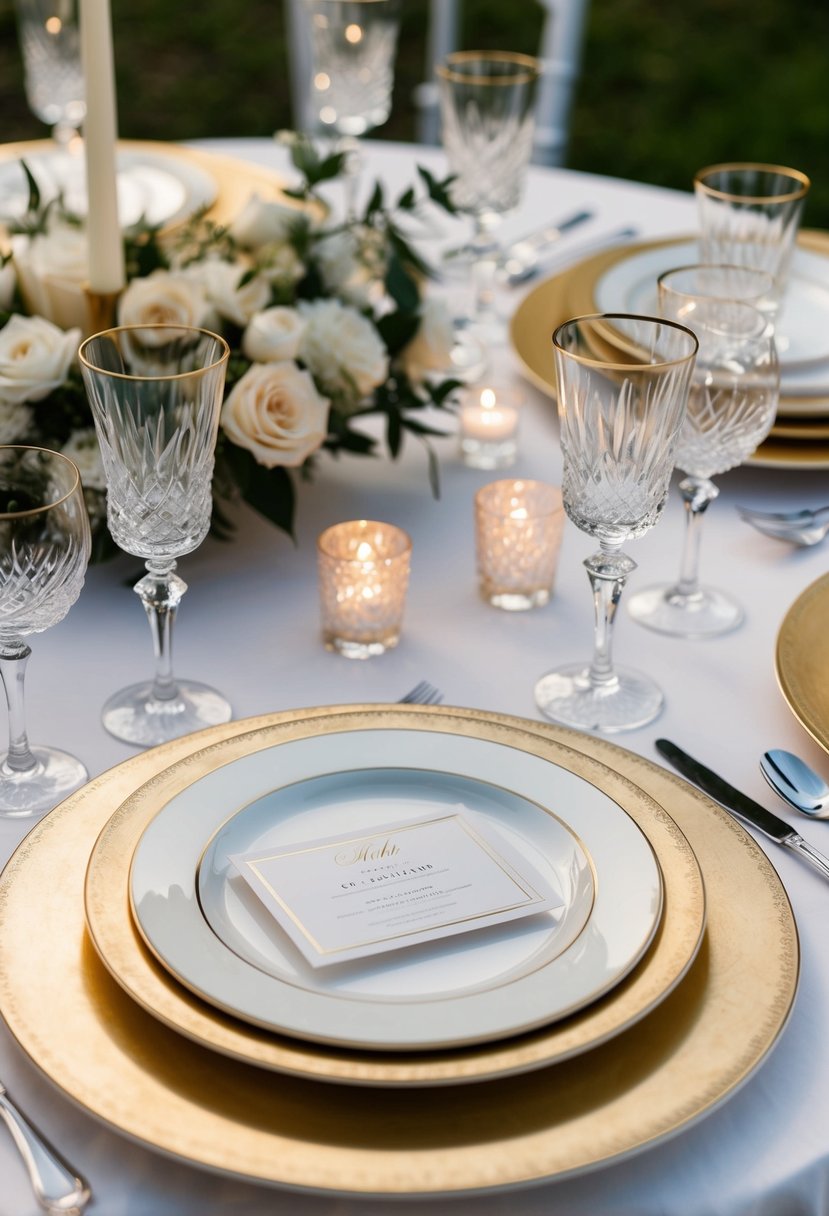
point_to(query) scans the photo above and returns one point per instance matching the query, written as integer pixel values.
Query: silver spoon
(796, 527)
(796, 783)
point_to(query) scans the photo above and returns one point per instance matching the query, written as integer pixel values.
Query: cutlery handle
(801, 846)
(56, 1185)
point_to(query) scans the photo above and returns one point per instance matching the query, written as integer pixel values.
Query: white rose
(280, 263)
(52, 269)
(353, 264)
(15, 421)
(35, 357)
(275, 412)
(273, 335)
(221, 280)
(342, 348)
(431, 347)
(82, 447)
(260, 222)
(163, 298)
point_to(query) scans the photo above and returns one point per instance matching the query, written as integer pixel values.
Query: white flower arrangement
(327, 323)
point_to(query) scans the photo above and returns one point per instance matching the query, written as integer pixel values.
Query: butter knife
(56, 1185)
(741, 805)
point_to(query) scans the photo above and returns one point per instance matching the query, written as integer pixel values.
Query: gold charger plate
(236, 180)
(571, 294)
(121, 948)
(802, 660)
(158, 1088)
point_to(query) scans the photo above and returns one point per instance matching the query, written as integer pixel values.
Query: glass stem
(161, 591)
(350, 147)
(697, 495)
(13, 673)
(608, 570)
(485, 250)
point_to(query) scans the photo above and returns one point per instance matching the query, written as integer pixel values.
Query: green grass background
(665, 86)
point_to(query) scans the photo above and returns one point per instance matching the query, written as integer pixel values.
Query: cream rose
(82, 447)
(273, 335)
(275, 412)
(353, 264)
(163, 298)
(52, 268)
(260, 222)
(431, 347)
(35, 357)
(342, 349)
(221, 280)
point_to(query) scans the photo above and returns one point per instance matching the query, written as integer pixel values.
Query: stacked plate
(624, 280)
(143, 978)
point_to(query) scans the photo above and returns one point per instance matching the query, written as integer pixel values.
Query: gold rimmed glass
(487, 103)
(621, 410)
(156, 394)
(749, 215)
(43, 556)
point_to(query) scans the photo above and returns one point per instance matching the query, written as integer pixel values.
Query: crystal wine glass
(50, 45)
(353, 44)
(487, 110)
(621, 409)
(43, 556)
(156, 394)
(731, 408)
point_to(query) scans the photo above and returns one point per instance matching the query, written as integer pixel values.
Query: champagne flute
(620, 409)
(731, 408)
(353, 44)
(156, 394)
(43, 557)
(487, 109)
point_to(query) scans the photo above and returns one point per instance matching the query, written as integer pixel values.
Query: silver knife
(741, 805)
(523, 253)
(570, 253)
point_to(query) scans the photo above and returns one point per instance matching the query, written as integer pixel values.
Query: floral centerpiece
(327, 322)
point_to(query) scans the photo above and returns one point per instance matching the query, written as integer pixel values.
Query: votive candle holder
(489, 417)
(518, 530)
(363, 579)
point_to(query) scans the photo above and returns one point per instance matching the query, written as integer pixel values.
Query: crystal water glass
(749, 215)
(353, 46)
(731, 408)
(621, 409)
(43, 556)
(49, 37)
(487, 110)
(156, 395)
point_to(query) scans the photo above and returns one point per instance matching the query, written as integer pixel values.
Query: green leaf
(438, 190)
(34, 190)
(401, 286)
(397, 330)
(439, 392)
(268, 491)
(420, 428)
(434, 472)
(407, 200)
(394, 433)
(375, 203)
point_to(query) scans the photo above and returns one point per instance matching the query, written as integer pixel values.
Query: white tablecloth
(249, 626)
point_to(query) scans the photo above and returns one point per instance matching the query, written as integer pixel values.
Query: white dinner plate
(156, 187)
(465, 989)
(802, 327)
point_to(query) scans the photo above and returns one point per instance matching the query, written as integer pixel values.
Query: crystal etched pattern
(353, 45)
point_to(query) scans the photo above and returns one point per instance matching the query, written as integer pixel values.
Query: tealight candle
(363, 578)
(489, 426)
(518, 529)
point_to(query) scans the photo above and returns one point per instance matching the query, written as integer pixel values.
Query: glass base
(567, 696)
(351, 649)
(514, 601)
(37, 790)
(135, 715)
(706, 614)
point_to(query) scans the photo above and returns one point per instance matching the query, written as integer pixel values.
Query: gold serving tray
(123, 952)
(155, 1086)
(802, 660)
(572, 294)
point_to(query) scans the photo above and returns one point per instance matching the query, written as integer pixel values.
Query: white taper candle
(106, 250)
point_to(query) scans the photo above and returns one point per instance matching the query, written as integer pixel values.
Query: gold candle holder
(518, 529)
(363, 578)
(101, 310)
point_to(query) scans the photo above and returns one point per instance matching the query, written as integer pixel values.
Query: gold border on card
(124, 1067)
(121, 947)
(802, 660)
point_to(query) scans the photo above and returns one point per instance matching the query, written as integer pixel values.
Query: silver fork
(423, 693)
(56, 1186)
(797, 527)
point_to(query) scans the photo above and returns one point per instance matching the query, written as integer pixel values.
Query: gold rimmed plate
(678, 934)
(121, 1065)
(802, 659)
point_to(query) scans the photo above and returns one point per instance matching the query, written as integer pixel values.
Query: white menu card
(351, 896)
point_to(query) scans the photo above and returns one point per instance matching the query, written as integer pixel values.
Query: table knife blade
(741, 805)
